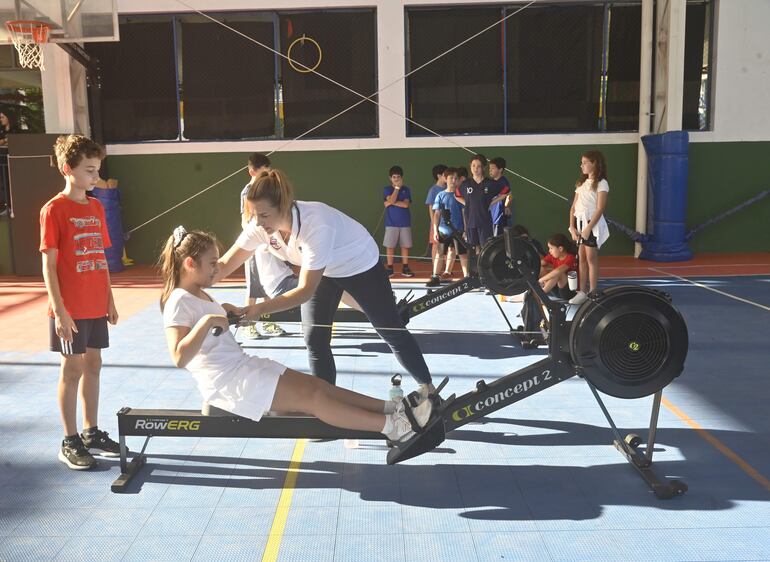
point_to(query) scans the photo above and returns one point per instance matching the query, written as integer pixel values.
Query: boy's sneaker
(252, 333)
(406, 272)
(434, 281)
(99, 442)
(579, 298)
(389, 270)
(272, 329)
(74, 454)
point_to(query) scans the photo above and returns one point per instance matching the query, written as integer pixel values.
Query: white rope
(363, 99)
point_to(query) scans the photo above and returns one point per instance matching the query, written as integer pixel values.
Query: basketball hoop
(28, 37)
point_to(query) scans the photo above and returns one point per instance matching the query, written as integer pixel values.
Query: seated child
(560, 259)
(243, 384)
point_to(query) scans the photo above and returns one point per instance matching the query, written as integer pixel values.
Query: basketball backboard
(70, 20)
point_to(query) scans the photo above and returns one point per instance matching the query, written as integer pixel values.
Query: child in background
(586, 220)
(73, 236)
(444, 204)
(398, 220)
(556, 264)
(500, 209)
(439, 184)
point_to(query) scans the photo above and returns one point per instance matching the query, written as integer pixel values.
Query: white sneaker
(579, 298)
(402, 427)
(252, 333)
(424, 390)
(271, 329)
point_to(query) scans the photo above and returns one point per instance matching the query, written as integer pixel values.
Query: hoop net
(28, 36)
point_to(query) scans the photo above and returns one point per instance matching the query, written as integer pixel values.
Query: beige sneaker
(252, 333)
(272, 329)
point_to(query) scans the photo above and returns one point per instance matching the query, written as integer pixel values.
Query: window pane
(696, 69)
(461, 92)
(347, 49)
(138, 82)
(228, 82)
(623, 68)
(554, 61)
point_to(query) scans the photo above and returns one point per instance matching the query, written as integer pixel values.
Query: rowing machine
(628, 342)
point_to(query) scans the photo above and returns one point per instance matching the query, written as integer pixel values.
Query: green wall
(721, 176)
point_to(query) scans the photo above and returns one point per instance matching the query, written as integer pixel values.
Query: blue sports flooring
(538, 480)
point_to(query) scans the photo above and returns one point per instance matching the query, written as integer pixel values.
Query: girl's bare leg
(592, 256)
(583, 269)
(298, 392)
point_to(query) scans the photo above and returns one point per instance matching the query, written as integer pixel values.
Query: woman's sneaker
(74, 454)
(272, 329)
(99, 442)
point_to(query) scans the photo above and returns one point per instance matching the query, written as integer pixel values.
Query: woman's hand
(252, 312)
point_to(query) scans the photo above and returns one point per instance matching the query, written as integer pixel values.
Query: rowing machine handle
(232, 318)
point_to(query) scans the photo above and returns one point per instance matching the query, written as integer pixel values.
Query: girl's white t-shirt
(585, 207)
(221, 362)
(321, 238)
(588, 199)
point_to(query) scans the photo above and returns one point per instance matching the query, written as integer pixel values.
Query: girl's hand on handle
(217, 323)
(574, 234)
(65, 326)
(586, 233)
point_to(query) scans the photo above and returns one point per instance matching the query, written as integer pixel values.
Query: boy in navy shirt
(477, 193)
(398, 220)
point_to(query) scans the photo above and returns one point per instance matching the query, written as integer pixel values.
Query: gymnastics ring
(305, 70)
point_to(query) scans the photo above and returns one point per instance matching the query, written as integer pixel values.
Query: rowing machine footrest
(433, 434)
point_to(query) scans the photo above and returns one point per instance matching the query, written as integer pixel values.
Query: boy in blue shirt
(439, 184)
(446, 207)
(501, 211)
(398, 220)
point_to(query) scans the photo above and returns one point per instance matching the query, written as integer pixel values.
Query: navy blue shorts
(478, 235)
(92, 332)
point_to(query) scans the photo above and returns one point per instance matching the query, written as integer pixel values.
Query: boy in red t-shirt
(73, 236)
(559, 260)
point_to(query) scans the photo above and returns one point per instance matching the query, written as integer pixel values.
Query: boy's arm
(391, 199)
(112, 311)
(65, 325)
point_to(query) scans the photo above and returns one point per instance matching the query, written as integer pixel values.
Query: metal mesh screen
(348, 55)
(461, 92)
(696, 69)
(228, 82)
(623, 68)
(139, 82)
(554, 67)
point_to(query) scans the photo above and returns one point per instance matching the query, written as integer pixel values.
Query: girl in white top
(335, 254)
(586, 220)
(247, 385)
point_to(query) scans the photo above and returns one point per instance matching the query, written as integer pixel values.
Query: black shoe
(389, 270)
(99, 442)
(406, 272)
(434, 281)
(75, 455)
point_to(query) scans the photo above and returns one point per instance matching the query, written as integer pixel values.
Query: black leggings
(373, 292)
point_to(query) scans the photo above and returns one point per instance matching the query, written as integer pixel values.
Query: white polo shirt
(321, 238)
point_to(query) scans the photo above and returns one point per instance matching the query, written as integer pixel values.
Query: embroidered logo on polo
(274, 243)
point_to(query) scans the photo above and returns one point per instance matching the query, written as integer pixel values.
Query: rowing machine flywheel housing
(629, 341)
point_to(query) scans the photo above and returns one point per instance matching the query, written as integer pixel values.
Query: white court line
(701, 285)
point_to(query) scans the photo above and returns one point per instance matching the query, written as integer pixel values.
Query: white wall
(740, 89)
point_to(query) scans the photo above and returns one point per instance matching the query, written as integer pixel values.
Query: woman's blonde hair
(600, 168)
(274, 187)
(180, 245)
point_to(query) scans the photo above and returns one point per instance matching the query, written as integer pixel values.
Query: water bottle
(396, 392)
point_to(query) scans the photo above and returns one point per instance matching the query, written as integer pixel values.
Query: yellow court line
(284, 503)
(719, 446)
